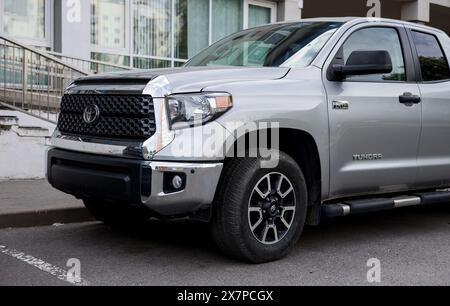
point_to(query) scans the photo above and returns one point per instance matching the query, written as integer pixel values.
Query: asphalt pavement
(411, 244)
(34, 202)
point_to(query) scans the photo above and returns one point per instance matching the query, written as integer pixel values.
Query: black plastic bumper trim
(94, 176)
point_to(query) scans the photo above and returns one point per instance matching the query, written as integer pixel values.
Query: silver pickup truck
(265, 131)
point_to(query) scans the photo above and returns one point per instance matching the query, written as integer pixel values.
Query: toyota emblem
(91, 114)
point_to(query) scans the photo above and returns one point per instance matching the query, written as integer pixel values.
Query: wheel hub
(272, 206)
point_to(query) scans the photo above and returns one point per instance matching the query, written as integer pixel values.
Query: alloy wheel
(271, 208)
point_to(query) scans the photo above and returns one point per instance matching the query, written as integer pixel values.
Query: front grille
(121, 116)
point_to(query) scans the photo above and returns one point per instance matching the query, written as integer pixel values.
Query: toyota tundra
(265, 131)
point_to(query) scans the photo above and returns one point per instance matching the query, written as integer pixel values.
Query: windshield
(269, 46)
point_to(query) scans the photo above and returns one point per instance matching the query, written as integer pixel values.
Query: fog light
(177, 182)
(174, 182)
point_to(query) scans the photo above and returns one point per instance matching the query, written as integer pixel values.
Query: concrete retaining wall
(23, 146)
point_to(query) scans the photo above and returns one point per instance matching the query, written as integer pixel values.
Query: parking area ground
(412, 244)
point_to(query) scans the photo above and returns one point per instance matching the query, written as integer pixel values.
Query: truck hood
(185, 79)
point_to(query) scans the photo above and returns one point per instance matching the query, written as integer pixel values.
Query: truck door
(434, 84)
(374, 119)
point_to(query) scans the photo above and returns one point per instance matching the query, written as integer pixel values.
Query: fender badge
(340, 105)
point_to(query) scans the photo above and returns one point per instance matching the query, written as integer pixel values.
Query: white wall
(23, 157)
(289, 10)
(20, 157)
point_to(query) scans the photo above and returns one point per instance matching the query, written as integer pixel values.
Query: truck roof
(366, 19)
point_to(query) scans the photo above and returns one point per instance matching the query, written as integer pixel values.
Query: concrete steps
(31, 131)
(11, 123)
(8, 120)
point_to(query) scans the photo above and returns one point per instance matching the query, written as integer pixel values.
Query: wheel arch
(305, 152)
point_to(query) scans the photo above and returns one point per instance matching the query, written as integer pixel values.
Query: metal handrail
(93, 66)
(32, 80)
(44, 54)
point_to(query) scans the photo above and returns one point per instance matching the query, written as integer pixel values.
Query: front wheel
(260, 213)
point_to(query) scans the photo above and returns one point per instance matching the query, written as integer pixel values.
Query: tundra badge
(376, 156)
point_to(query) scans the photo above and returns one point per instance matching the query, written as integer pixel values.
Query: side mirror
(363, 63)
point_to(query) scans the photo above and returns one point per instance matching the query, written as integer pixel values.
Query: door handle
(409, 98)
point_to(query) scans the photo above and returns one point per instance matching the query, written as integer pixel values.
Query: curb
(45, 217)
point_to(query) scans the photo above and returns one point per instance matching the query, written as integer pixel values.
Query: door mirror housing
(363, 63)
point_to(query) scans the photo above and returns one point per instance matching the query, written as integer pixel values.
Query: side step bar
(378, 204)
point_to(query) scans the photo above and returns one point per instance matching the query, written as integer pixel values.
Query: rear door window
(433, 63)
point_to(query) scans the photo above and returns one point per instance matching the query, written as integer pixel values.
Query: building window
(108, 15)
(166, 33)
(191, 27)
(152, 26)
(150, 63)
(227, 18)
(25, 19)
(112, 58)
(258, 15)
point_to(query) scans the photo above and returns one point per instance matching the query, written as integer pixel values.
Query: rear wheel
(260, 213)
(117, 214)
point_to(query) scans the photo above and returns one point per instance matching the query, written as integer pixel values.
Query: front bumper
(135, 182)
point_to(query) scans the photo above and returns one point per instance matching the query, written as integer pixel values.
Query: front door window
(386, 39)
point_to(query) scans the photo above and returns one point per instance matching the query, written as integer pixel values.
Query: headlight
(196, 109)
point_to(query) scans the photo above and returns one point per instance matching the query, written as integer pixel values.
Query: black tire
(230, 224)
(117, 214)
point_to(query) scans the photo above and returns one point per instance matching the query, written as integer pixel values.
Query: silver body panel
(365, 128)
(434, 150)
(298, 101)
